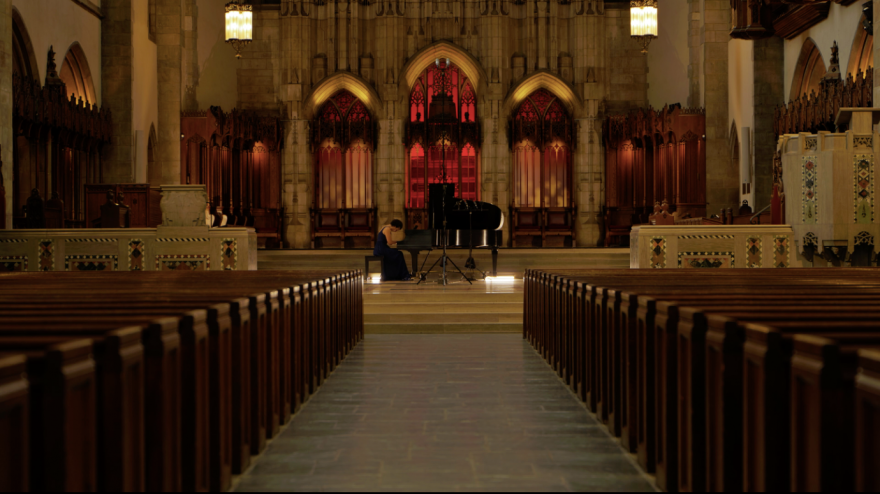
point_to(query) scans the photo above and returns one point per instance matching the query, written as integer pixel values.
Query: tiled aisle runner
(443, 413)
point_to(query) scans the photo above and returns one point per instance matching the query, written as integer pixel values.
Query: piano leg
(494, 262)
(415, 261)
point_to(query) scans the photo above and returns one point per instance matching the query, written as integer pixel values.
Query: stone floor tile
(475, 412)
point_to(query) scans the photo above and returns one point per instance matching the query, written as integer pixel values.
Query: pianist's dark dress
(394, 265)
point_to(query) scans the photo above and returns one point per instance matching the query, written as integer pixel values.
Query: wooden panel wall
(650, 157)
(237, 156)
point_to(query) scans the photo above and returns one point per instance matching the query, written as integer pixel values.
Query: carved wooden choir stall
(343, 138)
(237, 156)
(56, 150)
(653, 157)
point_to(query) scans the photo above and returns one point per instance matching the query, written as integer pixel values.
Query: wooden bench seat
(222, 369)
(14, 397)
(62, 412)
(867, 413)
(626, 340)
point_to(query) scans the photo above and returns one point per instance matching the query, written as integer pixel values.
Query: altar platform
(511, 262)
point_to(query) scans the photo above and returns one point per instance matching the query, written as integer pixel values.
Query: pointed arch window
(442, 137)
(542, 141)
(343, 139)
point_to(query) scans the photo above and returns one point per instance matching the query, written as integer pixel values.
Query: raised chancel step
(407, 308)
(512, 262)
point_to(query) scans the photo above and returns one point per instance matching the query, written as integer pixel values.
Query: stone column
(695, 96)
(191, 30)
(589, 157)
(116, 88)
(169, 41)
(6, 105)
(769, 62)
(722, 175)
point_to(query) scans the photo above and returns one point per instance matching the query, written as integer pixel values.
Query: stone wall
(769, 84)
(299, 50)
(722, 175)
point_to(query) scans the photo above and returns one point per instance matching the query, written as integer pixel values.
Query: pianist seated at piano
(394, 265)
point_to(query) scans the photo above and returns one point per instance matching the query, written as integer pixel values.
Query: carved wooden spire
(52, 78)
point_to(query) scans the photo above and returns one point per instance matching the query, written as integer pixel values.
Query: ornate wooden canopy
(49, 107)
(344, 119)
(443, 106)
(541, 118)
(759, 19)
(669, 123)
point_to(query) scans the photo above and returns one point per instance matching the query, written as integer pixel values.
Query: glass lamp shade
(239, 25)
(231, 25)
(246, 24)
(239, 22)
(643, 19)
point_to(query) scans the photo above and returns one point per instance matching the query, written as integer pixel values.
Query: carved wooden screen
(343, 136)
(541, 203)
(653, 157)
(442, 137)
(237, 156)
(344, 157)
(56, 151)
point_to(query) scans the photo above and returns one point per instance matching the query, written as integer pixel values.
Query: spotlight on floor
(499, 279)
(376, 279)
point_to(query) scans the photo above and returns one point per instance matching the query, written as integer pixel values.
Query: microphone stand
(444, 259)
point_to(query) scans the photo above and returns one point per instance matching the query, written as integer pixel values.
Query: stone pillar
(6, 106)
(722, 175)
(191, 30)
(695, 96)
(769, 62)
(169, 41)
(116, 88)
(589, 157)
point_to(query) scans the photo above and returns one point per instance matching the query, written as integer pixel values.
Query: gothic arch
(543, 80)
(77, 76)
(861, 55)
(443, 49)
(24, 62)
(808, 72)
(338, 82)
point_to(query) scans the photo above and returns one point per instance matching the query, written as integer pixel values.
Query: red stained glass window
(442, 160)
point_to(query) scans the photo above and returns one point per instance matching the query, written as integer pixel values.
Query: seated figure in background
(394, 263)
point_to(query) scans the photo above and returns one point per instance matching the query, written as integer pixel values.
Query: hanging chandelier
(643, 21)
(239, 25)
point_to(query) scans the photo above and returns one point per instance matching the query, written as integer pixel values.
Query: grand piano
(469, 225)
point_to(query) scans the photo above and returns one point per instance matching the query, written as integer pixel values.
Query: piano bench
(367, 260)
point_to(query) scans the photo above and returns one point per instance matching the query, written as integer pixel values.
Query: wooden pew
(14, 395)
(537, 334)
(867, 413)
(61, 405)
(335, 333)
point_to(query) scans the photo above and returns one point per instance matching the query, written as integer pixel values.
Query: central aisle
(443, 413)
